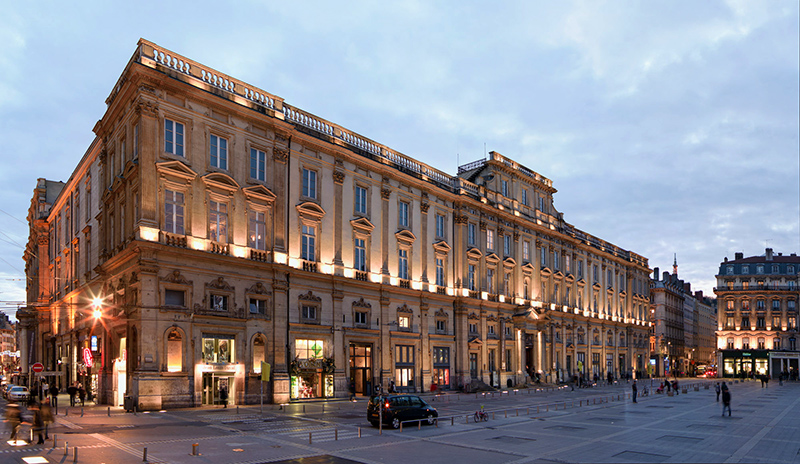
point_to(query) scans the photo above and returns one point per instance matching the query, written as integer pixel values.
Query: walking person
(47, 417)
(81, 394)
(223, 396)
(54, 395)
(634, 390)
(717, 389)
(72, 390)
(726, 399)
(38, 424)
(14, 419)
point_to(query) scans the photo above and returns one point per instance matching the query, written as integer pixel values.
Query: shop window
(441, 366)
(404, 367)
(311, 373)
(174, 351)
(218, 348)
(259, 353)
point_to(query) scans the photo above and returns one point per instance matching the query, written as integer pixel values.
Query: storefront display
(311, 373)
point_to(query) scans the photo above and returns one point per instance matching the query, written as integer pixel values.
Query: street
(598, 424)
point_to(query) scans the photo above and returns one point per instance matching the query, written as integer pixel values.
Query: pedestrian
(82, 393)
(223, 396)
(761, 377)
(766, 380)
(352, 390)
(38, 424)
(726, 399)
(609, 378)
(47, 417)
(668, 385)
(391, 385)
(717, 389)
(54, 395)
(634, 389)
(72, 390)
(14, 419)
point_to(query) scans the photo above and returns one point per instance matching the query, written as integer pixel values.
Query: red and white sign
(37, 367)
(88, 359)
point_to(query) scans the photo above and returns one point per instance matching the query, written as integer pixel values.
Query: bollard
(144, 454)
(548, 408)
(492, 415)
(517, 412)
(81, 410)
(452, 421)
(359, 432)
(336, 434)
(109, 411)
(195, 449)
(401, 426)
(466, 419)
(419, 425)
(237, 409)
(506, 411)
(527, 411)
(75, 451)
(135, 410)
(309, 438)
(66, 413)
(66, 448)
(304, 409)
(55, 440)
(323, 408)
(537, 409)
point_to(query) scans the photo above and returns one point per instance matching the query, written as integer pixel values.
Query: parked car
(6, 387)
(399, 408)
(19, 394)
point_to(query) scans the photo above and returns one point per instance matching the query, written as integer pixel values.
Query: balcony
(405, 283)
(362, 276)
(220, 248)
(258, 255)
(310, 266)
(173, 239)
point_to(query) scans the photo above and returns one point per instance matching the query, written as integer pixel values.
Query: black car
(399, 408)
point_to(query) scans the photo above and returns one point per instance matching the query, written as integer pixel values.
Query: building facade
(668, 337)
(757, 315)
(213, 236)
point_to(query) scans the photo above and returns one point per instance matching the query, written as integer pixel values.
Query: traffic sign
(37, 367)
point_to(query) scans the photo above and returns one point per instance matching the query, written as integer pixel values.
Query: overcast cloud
(666, 126)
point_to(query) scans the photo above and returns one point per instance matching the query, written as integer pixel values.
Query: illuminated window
(173, 212)
(257, 228)
(218, 152)
(308, 252)
(218, 348)
(440, 272)
(404, 322)
(218, 221)
(309, 349)
(174, 351)
(259, 353)
(309, 183)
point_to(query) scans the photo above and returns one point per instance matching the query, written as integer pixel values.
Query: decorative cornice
(386, 193)
(219, 284)
(362, 304)
(309, 297)
(424, 207)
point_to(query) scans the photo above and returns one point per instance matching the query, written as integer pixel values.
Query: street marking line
(123, 447)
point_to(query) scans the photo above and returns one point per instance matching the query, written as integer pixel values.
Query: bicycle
(480, 415)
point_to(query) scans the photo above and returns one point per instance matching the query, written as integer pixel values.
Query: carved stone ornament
(473, 317)
(386, 193)
(147, 108)
(176, 278)
(309, 297)
(440, 313)
(259, 289)
(482, 225)
(516, 236)
(280, 155)
(424, 207)
(405, 309)
(219, 284)
(338, 177)
(362, 304)
(281, 137)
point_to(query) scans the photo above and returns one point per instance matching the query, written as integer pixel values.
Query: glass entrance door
(213, 384)
(361, 368)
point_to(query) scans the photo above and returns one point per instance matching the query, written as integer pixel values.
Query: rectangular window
(309, 183)
(776, 322)
(258, 162)
(218, 152)
(218, 221)
(504, 187)
(580, 269)
(402, 264)
(730, 343)
(760, 323)
(490, 239)
(440, 272)
(257, 237)
(258, 306)
(543, 256)
(776, 343)
(173, 212)
(308, 313)
(775, 269)
(218, 302)
(309, 242)
(490, 281)
(507, 245)
(471, 277)
(441, 326)
(526, 251)
(360, 258)
(219, 348)
(792, 322)
(309, 349)
(361, 200)
(790, 305)
(776, 305)
(360, 318)
(556, 260)
(507, 284)
(760, 269)
(473, 328)
(440, 226)
(509, 366)
(541, 203)
(174, 297)
(136, 141)
(402, 214)
(404, 366)
(471, 234)
(404, 322)
(745, 323)
(746, 305)
(525, 197)
(173, 137)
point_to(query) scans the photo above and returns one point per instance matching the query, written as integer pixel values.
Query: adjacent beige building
(212, 231)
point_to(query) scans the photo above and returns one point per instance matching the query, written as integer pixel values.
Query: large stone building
(212, 230)
(757, 314)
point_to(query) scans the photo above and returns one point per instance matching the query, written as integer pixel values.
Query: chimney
(666, 276)
(687, 287)
(769, 254)
(698, 294)
(655, 273)
(739, 255)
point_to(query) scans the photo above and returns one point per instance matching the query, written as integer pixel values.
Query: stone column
(280, 339)
(338, 213)
(149, 144)
(426, 364)
(423, 207)
(386, 193)
(341, 384)
(281, 154)
(386, 368)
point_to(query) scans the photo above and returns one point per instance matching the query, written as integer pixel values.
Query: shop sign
(217, 367)
(88, 359)
(315, 363)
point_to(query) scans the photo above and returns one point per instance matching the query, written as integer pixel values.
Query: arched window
(174, 351)
(259, 353)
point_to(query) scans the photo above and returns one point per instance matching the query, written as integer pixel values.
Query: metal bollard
(55, 440)
(548, 408)
(66, 413)
(237, 409)
(492, 415)
(419, 425)
(66, 448)
(336, 434)
(109, 411)
(195, 449)
(401, 426)
(75, 450)
(452, 421)
(506, 411)
(323, 408)
(466, 419)
(81, 411)
(144, 454)
(359, 432)
(309, 438)
(304, 409)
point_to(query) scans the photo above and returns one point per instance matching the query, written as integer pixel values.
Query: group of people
(668, 386)
(41, 416)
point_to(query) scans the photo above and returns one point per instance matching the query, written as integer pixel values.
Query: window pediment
(474, 254)
(546, 272)
(259, 289)
(623, 293)
(176, 169)
(527, 268)
(405, 309)
(310, 210)
(509, 262)
(259, 194)
(362, 304)
(362, 225)
(596, 286)
(405, 237)
(558, 275)
(219, 284)
(475, 341)
(491, 318)
(492, 258)
(440, 313)
(309, 297)
(569, 278)
(441, 247)
(176, 278)
(220, 181)
(473, 317)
